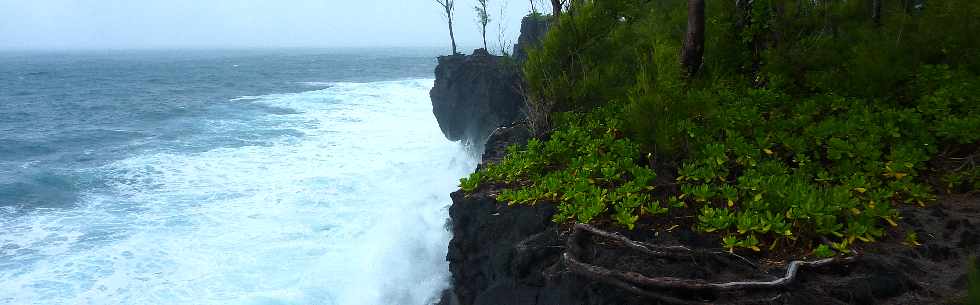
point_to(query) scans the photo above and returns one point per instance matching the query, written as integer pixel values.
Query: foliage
(587, 166)
(449, 11)
(807, 129)
(823, 251)
(588, 61)
(482, 19)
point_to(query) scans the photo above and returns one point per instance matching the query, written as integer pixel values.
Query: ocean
(223, 177)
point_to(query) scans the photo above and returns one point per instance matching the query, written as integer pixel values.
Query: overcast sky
(138, 24)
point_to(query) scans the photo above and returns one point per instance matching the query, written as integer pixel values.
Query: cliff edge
(474, 94)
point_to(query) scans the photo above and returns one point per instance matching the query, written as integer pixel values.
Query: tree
(556, 6)
(483, 18)
(876, 11)
(504, 45)
(449, 7)
(692, 52)
(535, 4)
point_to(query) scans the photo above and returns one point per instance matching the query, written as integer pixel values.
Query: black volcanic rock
(475, 94)
(496, 146)
(533, 29)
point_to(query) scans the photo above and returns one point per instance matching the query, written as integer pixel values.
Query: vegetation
(449, 10)
(804, 125)
(504, 45)
(534, 8)
(692, 51)
(587, 165)
(556, 7)
(482, 18)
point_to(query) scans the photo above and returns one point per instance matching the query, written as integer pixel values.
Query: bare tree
(449, 7)
(503, 44)
(535, 4)
(483, 18)
(692, 52)
(556, 6)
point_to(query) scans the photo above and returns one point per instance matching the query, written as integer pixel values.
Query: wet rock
(496, 146)
(533, 30)
(475, 94)
(486, 237)
(969, 240)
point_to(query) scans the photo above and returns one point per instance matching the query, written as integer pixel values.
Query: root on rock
(640, 284)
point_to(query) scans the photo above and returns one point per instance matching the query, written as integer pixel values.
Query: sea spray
(347, 208)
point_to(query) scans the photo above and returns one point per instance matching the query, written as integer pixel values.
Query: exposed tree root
(658, 251)
(966, 161)
(636, 290)
(633, 281)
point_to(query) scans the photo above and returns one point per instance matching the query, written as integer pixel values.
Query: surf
(349, 207)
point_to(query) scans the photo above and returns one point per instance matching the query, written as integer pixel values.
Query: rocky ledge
(533, 30)
(515, 255)
(474, 94)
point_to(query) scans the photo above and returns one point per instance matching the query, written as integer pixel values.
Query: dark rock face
(500, 138)
(510, 255)
(475, 94)
(488, 257)
(533, 29)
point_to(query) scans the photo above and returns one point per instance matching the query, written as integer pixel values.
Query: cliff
(533, 29)
(474, 94)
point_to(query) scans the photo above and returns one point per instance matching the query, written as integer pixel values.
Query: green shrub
(587, 166)
(808, 127)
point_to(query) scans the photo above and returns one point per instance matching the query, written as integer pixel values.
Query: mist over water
(316, 191)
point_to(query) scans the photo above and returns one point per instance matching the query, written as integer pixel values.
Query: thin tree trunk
(876, 11)
(452, 36)
(485, 38)
(556, 8)
(692, 52)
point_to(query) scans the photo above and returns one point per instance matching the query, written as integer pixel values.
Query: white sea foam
(317, 84)
(353, 212)
(245, 98)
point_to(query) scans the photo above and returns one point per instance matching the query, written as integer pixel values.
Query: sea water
(223, 177)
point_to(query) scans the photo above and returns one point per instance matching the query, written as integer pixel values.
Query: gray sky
(137, 24)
